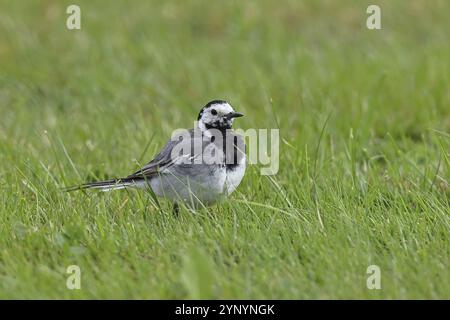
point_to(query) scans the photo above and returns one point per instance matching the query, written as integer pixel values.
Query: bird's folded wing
(174, 152)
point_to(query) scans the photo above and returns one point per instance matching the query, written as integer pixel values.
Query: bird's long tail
(107, 185)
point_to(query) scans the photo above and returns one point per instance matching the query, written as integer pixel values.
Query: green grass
(82, 105)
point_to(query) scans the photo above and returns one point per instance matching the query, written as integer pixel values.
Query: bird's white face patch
(215, 116)
(223, 108)
(215, 112)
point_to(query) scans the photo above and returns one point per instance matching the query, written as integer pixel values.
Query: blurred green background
(84, 104)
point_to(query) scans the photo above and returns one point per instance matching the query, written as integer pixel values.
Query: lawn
(364, 120)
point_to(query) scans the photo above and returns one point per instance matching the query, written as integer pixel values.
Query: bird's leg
(176, 209)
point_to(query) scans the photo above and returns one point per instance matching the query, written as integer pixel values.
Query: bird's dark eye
(213, 112)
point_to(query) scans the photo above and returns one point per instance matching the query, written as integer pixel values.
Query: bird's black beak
(234, 115)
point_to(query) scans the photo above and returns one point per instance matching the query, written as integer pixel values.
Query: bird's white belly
(234, 178)
(205, 188)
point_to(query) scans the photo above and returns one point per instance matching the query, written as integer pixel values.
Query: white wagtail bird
(198, 167)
